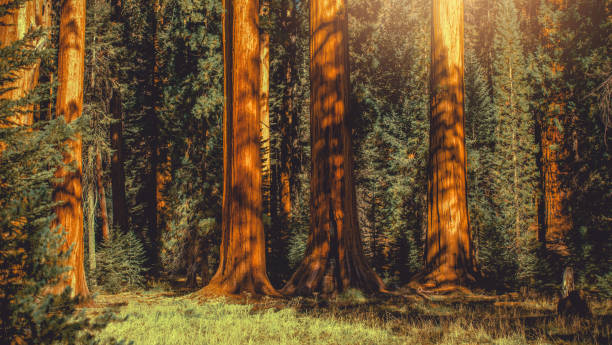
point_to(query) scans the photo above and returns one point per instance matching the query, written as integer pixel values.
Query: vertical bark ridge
(334, 259)
(557, 219)
(242, 266)
(102, 196)
(70, 105)
(264, 105)
(29, 16)
(449, 258)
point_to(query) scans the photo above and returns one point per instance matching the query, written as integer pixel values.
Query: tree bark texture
(242, 266)
(449, 257)
(557, 219)
(91, 227)
(102, 196)
(31, 15)
(120, 211)
(334, 259)
(70, 105)
(265, 116)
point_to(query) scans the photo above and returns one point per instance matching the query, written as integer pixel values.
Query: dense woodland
(300, 148)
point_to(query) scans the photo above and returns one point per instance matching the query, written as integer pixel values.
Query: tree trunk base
(227, 287)
(437, 282)
(325, 280)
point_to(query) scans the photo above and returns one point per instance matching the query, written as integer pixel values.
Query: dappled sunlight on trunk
(70, 106)
(449, 257)
(334, 259)
(242, 267)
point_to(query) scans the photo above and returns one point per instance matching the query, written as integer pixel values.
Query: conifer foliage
(305, 146)
(30, 257)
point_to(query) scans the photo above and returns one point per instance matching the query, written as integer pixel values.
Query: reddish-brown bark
(29, 16)
(70, 105)
(557, 219)
(264, 39)
(334, 259)
(242, 266)
(102, 196)
(449, 256)
(120, 212)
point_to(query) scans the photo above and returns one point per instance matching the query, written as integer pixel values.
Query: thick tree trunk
(70, 105)
(120, 212)
(102, 196)
(449, 257)
(334, 258)
(264, 39)
(557, 219)
(30, 15)
(242, 266)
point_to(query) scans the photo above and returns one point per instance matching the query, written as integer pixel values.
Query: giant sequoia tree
(449, 256)
(242, 266)
(557, 219)
(68, 191)
(29, 15)
(334, 258)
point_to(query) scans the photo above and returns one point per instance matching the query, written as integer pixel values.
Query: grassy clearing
(161, 318)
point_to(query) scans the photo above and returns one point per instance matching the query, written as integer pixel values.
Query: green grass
(160, 318)
(184, 321)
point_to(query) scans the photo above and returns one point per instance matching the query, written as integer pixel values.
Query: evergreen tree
(515, 178)
(585, 34)
(30, 258)
(449, 251)
(242, 257)
(287, 23)
(140, 97)
(334, 259)
(101, 36)
(389, 46)
(480, 124)
(68, 192)
(192, 96)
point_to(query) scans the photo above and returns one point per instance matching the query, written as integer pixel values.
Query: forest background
(537, 105)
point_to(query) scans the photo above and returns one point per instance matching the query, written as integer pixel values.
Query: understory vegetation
(163, 317)
(305, 172)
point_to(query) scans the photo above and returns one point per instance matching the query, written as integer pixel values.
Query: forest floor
(168, 316)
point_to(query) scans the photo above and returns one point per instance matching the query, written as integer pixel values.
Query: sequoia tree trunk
(334, 259)
(264, 39)
(68, 192)
(31, 15)
(120, 213)
(449, 256)
(557, 219)
(102, 196)
(242, 262)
